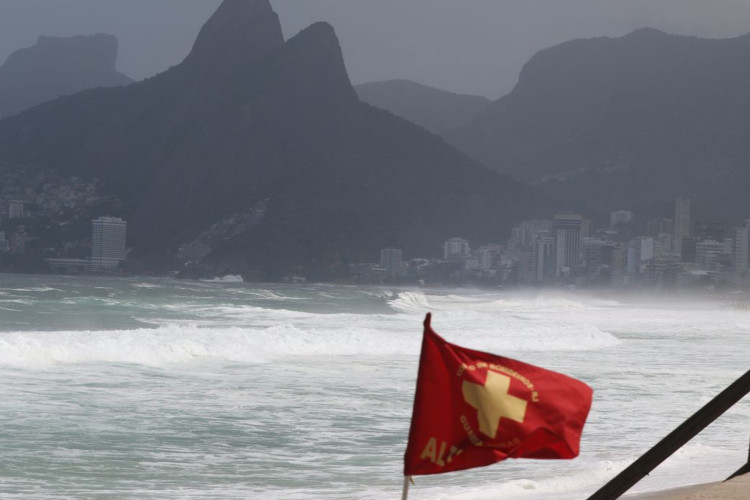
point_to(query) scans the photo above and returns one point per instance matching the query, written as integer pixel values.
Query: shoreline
(735, 489)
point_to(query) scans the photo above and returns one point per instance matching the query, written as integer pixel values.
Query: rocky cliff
(626, 122)
(57, 66)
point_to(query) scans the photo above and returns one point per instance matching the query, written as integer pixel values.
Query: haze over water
(149, 388)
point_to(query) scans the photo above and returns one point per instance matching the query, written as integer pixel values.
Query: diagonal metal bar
(742, 470)
(675, 440)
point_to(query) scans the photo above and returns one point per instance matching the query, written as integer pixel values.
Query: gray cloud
(475, 46)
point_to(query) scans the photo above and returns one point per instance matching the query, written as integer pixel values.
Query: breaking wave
(285, 336)
(261, 325)
(410, 302)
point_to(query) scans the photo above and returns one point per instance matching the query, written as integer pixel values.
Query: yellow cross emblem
(493, 402)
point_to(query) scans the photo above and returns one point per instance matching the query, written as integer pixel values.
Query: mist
(475, 48)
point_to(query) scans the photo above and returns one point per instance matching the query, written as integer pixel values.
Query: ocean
(156, 388)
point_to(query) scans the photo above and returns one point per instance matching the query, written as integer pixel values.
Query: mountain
(256, 155)
(436, 110)
(625, 122)
(57, 66)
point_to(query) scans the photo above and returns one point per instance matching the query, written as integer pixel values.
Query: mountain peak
(647, 33)
(319, 36)
(98, 50)
(58, 66)
(258, 156)
(239, 30)
(312, 63)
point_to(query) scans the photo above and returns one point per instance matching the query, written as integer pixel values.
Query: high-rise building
(620, 217)
(663, 244)
(708, 229)
(456, 249)
(15, 209)
(640, 254)
(741, 250)
(488, 254)
(107, 243)
(598, 259)
(655, 227)
(544, 259)
(663, 270)
(708, 255)
(529, 231)
(391, 259)
(568, 231)
(619, 266)
(681, 223)
(18, 241)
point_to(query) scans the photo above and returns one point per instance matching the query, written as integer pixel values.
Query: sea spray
(177, 389)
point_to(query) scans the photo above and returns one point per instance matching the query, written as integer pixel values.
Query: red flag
(473, 409)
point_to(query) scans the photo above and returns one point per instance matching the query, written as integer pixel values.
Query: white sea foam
(35, 289)
(156, 347)
(499, 326)
(229, 278)
(253, 334)
(280, 333)
(145, 285)
(17, 301)
(410, 302)
(258, 393)
(271, 295)
(185, 342)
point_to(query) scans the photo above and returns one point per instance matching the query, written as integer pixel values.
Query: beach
(737, 488)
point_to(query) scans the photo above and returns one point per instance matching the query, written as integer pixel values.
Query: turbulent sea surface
(145, 388)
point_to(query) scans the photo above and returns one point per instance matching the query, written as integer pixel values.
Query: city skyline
(568, 250)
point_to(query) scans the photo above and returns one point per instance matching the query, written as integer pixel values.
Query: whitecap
(229, 278)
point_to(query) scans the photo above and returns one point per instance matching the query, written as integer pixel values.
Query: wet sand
(736, 489)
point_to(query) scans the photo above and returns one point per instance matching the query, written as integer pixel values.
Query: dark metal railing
(676, 439)
(742, 470)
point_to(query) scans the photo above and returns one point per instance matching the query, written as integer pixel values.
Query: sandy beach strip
(736, 489)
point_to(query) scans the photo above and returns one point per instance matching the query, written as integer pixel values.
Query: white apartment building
(391, 259)
(108, 235)
(456, 249)
(741, 249)
(15, 209)
(620, 217)
(708, 255)
(681, 223)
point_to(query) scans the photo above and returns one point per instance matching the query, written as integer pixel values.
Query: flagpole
(405, 493)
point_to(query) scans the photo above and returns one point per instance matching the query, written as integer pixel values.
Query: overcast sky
(467, 46)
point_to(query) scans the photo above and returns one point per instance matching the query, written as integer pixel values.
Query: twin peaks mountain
(57, 66)
(255, 153)
(626, 122)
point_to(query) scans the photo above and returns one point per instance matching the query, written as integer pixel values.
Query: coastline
(735, 489)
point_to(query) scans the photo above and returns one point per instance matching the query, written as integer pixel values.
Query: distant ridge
(256, 156)
(436, 110)
(626, 122)
(57, 66)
